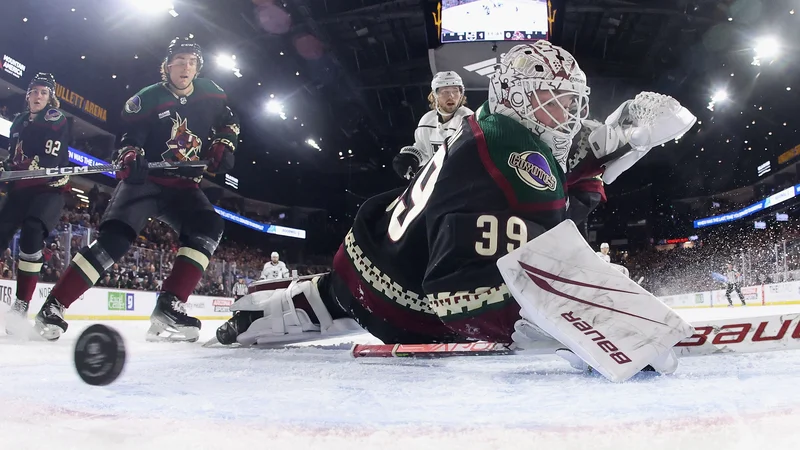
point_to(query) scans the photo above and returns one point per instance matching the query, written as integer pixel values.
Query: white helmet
(524, 72)
(273, 255)
(444, 79)
(604, 245)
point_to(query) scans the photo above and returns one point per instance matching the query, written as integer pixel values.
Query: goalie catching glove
(132, 164)
(628, 134)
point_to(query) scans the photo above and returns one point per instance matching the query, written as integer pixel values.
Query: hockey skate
(236, 325)
(169, 321)
(50, 321)
(17, 319)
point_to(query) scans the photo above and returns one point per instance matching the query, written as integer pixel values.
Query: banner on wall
(12, 66)
(768, 202)
(81, 103)
(117, 304)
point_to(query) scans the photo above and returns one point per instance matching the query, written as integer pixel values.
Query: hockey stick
(748, 335)
(49, 172)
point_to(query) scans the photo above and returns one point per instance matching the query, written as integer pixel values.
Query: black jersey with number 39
(490, 189)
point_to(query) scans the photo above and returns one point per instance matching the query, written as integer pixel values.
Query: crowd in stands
(151, 257)
(762, 256)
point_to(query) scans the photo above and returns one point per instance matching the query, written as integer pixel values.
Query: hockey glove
(132, 165)
(220, 157)
(406, 165)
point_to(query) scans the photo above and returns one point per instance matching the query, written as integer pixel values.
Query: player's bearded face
(275, 259)
(449, 99)
(553, 108)
(38, 96)
(182, 70)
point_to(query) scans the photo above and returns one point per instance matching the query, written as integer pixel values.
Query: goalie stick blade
(429, 350)
(724, 336)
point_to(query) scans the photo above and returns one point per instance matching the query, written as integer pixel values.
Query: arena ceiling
(352, 75)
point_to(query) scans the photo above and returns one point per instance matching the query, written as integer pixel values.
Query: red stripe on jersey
(501, 181)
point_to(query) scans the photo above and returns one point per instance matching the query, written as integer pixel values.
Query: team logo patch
(533, 169)
(183, 145)
(52, 115)
(163, 114)
(133, 105)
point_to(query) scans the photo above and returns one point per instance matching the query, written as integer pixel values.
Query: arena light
(766, 48)
(313, 144)
(276, 107)
(228, 62)
(156, 6)
(719, 96)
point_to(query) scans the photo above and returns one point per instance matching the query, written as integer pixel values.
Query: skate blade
(159, 332)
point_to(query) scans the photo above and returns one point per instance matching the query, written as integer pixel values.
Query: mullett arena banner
(93, 109)
(469, 37)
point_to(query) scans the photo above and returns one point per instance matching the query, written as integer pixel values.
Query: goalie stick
(48, 172)
(743, 335)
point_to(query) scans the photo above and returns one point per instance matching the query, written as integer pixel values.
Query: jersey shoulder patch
(520, 163)
(53, 115)
(143, 99)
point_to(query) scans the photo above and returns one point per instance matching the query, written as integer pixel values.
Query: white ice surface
(184, 396)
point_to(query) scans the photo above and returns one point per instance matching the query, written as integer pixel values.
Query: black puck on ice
(99, 355)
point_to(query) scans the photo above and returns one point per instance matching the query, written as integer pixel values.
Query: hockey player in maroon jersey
(167, 121)
(419, 265)
(39, 138)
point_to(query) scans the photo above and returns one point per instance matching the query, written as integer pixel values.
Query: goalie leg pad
(293, 314)
(604, 317)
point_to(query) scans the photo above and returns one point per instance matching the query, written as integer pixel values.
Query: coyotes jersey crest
(183, 145)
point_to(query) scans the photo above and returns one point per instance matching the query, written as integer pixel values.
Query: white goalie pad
(284, 323)
(601, 315)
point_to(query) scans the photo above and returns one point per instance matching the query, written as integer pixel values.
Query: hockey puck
(99, 355)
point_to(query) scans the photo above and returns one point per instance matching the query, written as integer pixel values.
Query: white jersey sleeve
(431, 134)
(274, 271)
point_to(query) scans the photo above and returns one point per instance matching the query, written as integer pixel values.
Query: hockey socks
(186, 273)
(28, 274)
(82, 273)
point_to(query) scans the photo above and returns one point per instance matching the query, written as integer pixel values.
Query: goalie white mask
(542, 87)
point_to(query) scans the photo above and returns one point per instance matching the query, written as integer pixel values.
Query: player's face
(38, 96)
(553, 107)
(182, 70)
(449, 98)
(604, 250)
(275, 259)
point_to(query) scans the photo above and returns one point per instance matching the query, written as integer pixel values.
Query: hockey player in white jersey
(447, 101)
(603, 253)
(274, 268)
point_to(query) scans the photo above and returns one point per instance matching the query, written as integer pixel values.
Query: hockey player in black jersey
(423, 265)
(167, 121)
(39, 138)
